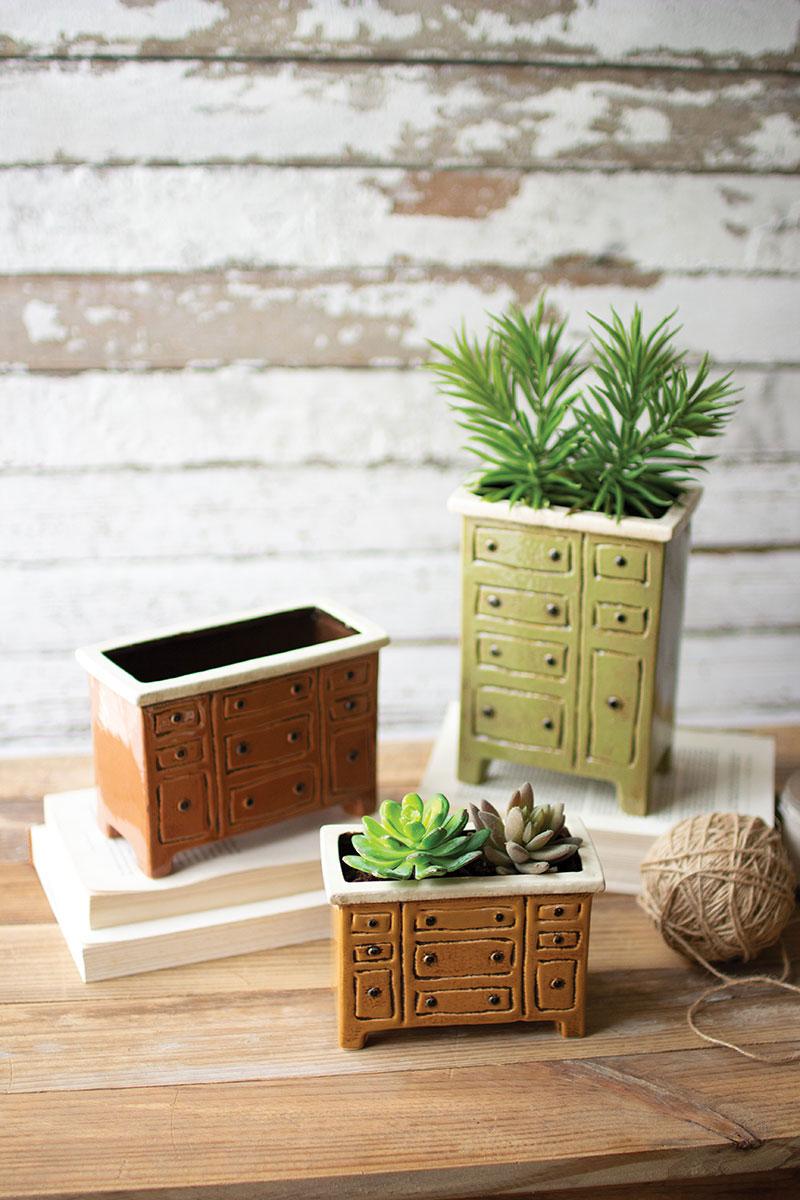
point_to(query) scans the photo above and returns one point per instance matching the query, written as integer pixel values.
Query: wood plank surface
(120, 220)
(139, 1089)
(647, 31)
(396, 114)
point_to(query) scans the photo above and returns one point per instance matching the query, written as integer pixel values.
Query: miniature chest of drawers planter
(203, 733)
(571, 629)
(460, 950)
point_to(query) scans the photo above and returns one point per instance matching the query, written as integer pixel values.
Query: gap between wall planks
(669, 105)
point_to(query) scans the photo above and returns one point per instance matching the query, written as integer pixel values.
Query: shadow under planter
(571, 627)
(461, 949)
(202, 733)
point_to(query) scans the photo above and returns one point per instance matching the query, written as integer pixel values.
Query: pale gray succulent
(530, 839)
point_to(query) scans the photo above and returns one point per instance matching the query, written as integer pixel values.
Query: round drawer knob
(614, 702)
(494, 651)
(352, 756)
(552, 610)
(493, 999)
(430, 920)
(621, 561)
(299, 788)
(239, 705)
(294, 736)
(430, 1002)
(557, 983)
(497, 956)
(176, 718)
(242, 747)
(493, 601)
(558, 911)
(620, 618)
(487, 711)
(558, 938)
(547, 723)
(491, 546)
(297, 689)
(184, 805)
(373, 951)
(554, 555)
(499, 917)
(350, 675)
(550, 659)
(372, 923)
(249, 801)
(373, 992)
(180, 753)
(349, 705)
(429, 959)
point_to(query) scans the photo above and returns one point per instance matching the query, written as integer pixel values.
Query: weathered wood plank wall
(226, 230)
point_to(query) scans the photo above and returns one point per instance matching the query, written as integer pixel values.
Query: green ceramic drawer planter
(575, 539)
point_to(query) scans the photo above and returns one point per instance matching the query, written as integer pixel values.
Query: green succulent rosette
(415, 839)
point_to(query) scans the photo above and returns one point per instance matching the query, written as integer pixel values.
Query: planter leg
(665, 762)
(108, 830)
(352, 1041)
(632, 801)
(574, 1027)
(359, 808)
(471, 768)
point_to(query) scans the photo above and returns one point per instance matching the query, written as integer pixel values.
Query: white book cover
(711, 771)
(174, 940)
(279, 860)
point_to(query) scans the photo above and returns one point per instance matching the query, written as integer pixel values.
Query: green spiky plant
(623, 445)
(415, 840)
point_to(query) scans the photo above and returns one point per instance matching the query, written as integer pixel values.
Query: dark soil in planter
(478, 868)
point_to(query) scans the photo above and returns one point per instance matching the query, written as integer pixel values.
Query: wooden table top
(224, 1080)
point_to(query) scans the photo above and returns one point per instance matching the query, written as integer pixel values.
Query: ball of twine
(720, 886)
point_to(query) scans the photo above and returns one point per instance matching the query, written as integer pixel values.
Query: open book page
(711, 771)
(109, 865)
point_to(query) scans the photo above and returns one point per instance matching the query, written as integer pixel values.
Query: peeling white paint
(51, 23)
(42, 322)
(367, 21)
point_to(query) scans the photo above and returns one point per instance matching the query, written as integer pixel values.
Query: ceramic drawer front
(554, 985)
(256, 700)
(180, 755)
(615, 690)
(549, 659)
(562, 911)
(531, 607)
(522, 717)
(566, 939)
(505, 914)
(180, 718)
(431, 1002)
(351, 751)
(290, 738)
(627, 561)
(351, 707)
(274, 797)
(183, 806)
(554, 552)
(625, 620)
(464, 957)
(372, 923)
(375, 951)
(348, 676)
(375, 995)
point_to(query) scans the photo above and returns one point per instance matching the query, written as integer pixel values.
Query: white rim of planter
(384, 891)
(367, 638)
(651, 529)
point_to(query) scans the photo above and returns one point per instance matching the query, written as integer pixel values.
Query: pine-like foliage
(622, 445)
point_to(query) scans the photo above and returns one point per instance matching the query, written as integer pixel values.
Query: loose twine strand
(730, 887)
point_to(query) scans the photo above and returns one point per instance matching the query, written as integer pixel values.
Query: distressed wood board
(391, 113)
(647, 31)
(139, 1088)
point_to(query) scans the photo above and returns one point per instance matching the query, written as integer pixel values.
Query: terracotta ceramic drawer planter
(460, 950)
(571, 629)
(202, 733)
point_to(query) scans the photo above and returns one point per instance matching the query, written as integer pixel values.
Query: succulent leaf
(529, 839)
(415, 839)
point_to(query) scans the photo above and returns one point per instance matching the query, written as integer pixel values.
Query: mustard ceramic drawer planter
(459, 950)
(203, 733)
(571, 629)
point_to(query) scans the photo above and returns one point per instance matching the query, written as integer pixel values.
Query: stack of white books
(711, 772)
(254, 891)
